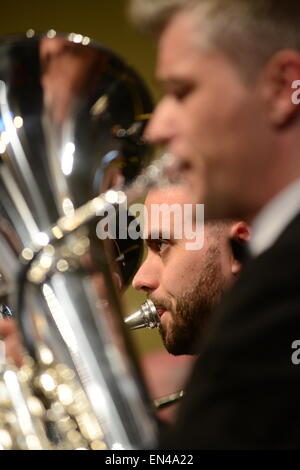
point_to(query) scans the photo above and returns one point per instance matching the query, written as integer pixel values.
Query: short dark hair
(248, 31)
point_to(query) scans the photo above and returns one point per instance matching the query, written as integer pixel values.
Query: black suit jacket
(245, 391)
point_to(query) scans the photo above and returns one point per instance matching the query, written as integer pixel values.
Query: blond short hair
(249, 32)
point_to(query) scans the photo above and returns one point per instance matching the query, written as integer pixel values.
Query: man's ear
(240, 233)
(278, 81)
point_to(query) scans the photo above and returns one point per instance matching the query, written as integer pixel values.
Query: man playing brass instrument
(185, 284)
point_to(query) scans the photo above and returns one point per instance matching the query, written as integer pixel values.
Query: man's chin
(179, 351)
(177, 347)
(196, 187)
(219, 203)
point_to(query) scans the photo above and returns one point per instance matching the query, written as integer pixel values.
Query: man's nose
(146, 278)
(161, 127)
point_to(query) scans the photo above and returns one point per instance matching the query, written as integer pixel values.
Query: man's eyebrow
(153, 235)
(157, 235)
(166, 83)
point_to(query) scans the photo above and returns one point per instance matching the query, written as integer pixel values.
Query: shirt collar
(274, 218)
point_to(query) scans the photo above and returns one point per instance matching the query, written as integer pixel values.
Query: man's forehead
(186, 48)
(176, 194)
(179, 40)
(168, 209)
(157, 215)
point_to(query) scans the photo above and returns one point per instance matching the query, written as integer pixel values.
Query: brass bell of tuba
(71, 120)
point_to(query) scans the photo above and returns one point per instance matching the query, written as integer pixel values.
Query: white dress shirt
(274, 218)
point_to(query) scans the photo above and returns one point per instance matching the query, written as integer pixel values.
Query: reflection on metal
(100, 106)
(145, 317)
(18, 122)
(30, 33)
(19, 153)
(168, 400)
(18, 201)
(5, 311)
(79, 39)
(2, 147)
(62, 98)
(67, 159)
(51, 33)
(68, 207)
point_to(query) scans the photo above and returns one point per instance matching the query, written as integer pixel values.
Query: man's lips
(160, 307)
(160, 311)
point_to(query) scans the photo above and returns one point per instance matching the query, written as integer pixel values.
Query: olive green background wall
(104, 21)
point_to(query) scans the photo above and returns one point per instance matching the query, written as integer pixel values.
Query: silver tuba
(71, 119)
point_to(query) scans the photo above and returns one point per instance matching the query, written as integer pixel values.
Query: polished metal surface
(168, 400)
(145, 317)
(71, 120)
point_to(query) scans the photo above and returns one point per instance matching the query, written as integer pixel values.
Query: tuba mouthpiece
(145, 317)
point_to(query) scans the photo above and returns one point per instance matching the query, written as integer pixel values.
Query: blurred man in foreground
(230, 114)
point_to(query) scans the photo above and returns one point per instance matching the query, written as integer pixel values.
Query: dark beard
(194, 308)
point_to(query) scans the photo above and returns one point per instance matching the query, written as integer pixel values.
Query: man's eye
(183, 92)
(162, 245)
(158, 246)
(180, 94)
